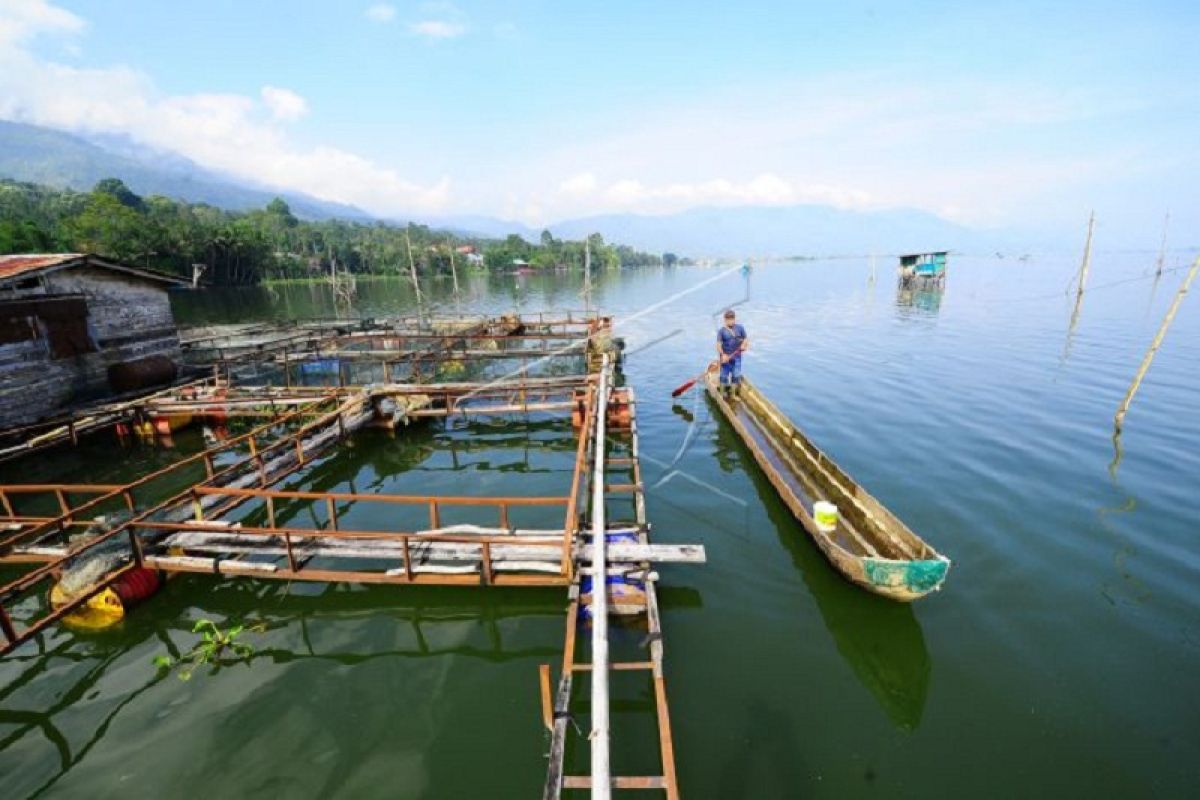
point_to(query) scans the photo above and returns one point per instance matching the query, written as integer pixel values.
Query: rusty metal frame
(560, 713)
(212, 502)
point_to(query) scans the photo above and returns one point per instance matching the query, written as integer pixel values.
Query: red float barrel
(136, 585)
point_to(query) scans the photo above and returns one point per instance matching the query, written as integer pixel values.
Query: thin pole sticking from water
(587, 275)
(412, 268)
(1162, 250)
(601, 777)
(1119, 419)
(1087, 256)
(453, 269)
(1083, 273)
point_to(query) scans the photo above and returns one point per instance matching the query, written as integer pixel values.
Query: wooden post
(6, 626)
(547, 702)
(287, 543)
(136, 544)
(412, 269)
(587, 274)
(1119, 419)
(1087, 256)
(1162, 250)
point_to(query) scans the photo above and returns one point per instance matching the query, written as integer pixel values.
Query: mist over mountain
(765, 231)
(55, 158)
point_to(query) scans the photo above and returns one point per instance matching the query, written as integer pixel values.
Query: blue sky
(998, 114)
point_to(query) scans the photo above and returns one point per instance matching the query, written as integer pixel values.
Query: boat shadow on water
(879, 639)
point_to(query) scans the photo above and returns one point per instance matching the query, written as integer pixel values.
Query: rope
(1067, 291)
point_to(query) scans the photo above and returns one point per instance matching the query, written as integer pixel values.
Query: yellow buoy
(102, 610)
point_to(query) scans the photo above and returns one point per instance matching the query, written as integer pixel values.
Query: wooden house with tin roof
(75, 327)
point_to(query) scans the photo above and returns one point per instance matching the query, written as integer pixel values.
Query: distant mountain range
(781, 231)
(56, 158)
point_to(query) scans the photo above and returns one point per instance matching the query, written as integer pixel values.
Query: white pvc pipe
(601, 778)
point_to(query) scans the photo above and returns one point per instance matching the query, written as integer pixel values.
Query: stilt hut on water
(923, 268)
(74, 327)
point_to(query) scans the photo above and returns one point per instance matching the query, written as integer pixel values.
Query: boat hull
(899, 579)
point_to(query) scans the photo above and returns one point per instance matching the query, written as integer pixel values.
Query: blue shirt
(731, 340)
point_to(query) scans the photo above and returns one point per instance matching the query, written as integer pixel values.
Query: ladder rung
(618, 665)
(618, 782)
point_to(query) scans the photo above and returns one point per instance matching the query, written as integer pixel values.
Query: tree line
(246, 247)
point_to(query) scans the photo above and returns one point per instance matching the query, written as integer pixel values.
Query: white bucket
(825, 515)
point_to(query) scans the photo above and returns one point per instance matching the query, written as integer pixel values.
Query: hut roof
(27, 265)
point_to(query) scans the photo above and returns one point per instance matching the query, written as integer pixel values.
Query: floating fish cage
(276, 403)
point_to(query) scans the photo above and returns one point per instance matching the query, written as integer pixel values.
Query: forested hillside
(247, 247)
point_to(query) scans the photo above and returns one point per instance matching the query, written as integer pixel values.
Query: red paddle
(683, 388)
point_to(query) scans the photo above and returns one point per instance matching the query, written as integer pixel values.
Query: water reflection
(923, 298)
(880, 640)
(442, 623)
(391, 295)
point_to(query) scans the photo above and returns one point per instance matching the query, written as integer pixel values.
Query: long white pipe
(601, 778)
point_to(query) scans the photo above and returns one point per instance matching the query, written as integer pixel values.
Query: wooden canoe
(869, 545)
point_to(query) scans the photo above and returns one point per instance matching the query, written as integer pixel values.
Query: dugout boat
(868, 544)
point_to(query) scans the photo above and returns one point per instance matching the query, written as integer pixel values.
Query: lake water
(1061, 659)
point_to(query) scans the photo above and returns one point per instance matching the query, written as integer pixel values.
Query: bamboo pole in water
(587, 274)
(453, 269)
(1119, 419)
(1087, 256)
(1162, 250)
(412, 267)
(601, 777)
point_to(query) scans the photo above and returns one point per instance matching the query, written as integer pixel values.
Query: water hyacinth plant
(216, 647)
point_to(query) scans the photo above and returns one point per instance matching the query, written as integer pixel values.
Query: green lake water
(1061, 659)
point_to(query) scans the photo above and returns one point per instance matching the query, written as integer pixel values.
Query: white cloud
(987, 151)
(381, 12)
(285, 105)
(438, 29)
(232, 133)
(21, 20)
(580, 185)
(766, 189)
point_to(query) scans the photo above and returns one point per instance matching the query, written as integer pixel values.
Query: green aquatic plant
(216, 647)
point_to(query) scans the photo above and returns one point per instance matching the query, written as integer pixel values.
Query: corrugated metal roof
(12, 266)
(30, 263)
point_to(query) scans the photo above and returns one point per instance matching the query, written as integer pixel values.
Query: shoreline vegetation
(241, 248)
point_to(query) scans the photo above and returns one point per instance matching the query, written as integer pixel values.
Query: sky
(993, 115)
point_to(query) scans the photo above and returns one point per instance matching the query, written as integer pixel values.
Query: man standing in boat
(731, 343)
